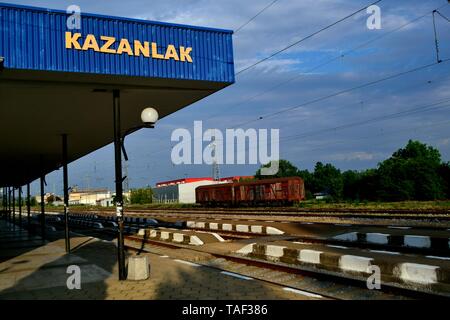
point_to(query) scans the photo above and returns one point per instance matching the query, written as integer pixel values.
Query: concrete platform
(40, 272)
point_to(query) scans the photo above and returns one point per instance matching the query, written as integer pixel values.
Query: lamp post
(149, 116)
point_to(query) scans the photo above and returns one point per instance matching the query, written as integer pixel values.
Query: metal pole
(28, 206)
(42, 209)
(3, 202)
(3, 199)
(66, 192)
(119, 190)
(9, 204)
(14, 207)
(20, 206)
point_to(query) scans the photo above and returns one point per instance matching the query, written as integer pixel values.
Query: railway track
(322, 285)
(289, 210)
(280, 213)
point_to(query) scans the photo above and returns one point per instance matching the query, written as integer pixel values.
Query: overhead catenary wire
(316, 67)
(417, 109)
(367, 84)
(295, 43)
(427, 82)
(242, 26)
(336, 94)
(439, 13)
(346, 141)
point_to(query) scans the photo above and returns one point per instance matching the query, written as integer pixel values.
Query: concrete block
(138, 268)
(355, 263)
(256, 229)
(153, 233)
(178, 237)
(227, 227)
(309, 256)
(200, 225)
(351, 236)
(218, 237)
(190, 224)
(379, 238)
(418, 273)
(417, 241)
(246, 249)
(141, 232)
(194, 240)
(242, 228)
(272, 230)
(165, 235)
(274, 251)
(214, 225)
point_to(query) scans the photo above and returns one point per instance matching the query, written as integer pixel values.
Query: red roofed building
(180, 181)
(235, 178)
(183, 190)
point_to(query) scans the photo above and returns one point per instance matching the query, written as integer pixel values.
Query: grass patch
(320, 204)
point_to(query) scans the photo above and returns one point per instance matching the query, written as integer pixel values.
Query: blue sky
(311, 126)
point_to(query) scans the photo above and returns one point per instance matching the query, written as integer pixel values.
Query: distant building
(181, 181)
(236, 178)
(106, 202)
(183, 190)
(179, 191)
(90, 197)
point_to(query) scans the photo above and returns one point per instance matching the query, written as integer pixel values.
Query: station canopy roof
(57, 79)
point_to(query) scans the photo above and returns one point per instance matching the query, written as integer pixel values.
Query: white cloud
(358, 155)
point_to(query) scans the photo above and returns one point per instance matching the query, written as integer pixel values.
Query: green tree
(141, 196)
(285, 169)
(328, 178)
(309, 180)
(411, 173)
(351, 185)
(444, 173)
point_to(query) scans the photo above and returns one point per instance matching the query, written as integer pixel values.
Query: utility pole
(215, 165)
(127, 180)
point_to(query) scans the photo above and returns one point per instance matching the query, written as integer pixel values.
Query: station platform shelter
(71, 83)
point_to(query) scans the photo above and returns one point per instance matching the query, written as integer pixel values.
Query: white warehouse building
(183, 190)
(179, 191)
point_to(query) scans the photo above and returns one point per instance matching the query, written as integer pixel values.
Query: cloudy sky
(353, 130)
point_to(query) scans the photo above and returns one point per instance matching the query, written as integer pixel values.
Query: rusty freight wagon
(279, 191)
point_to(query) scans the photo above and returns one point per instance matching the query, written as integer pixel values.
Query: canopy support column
(28, 206)
(42, 208)
(118, 181)
(20, 206)
(9, 204)
(14, 207)
(66, 192)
